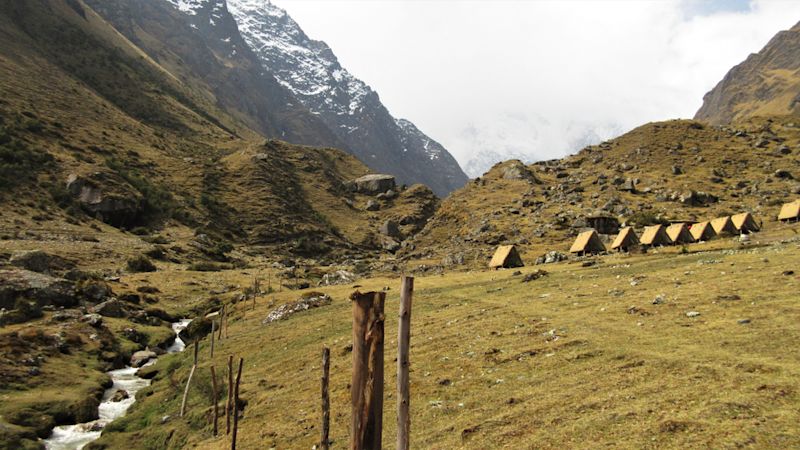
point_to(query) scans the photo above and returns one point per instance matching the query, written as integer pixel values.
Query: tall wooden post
(403, 343)
(215, 398)
(221, 318)
(367, 383)
(326, 402)
(229, 399)
(236, 405)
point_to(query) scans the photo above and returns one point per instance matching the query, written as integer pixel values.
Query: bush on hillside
(141, 264)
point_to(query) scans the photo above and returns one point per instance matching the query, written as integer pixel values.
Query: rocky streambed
(115, 403)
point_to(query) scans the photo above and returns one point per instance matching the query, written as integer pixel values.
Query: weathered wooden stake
(229, 399)
(221, 318)
(215, 396)
(189, 381)
(236, 405)
(213, 332)
(366, 389)
(326, 402)
(403, 343)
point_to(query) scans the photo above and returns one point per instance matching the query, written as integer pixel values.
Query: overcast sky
(535, 80)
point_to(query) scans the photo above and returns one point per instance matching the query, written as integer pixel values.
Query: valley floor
(582, 357)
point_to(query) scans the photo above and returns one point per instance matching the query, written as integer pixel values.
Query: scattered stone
(373, 184)
(336, 278)
(728, 297)
(676, 170)
(140, 358)
(783, 174)
(372, 205)
(120, 395)
(535, 275)
(743, 321)
(787, 273)
(307, 301)
(111, 308)
(692, 314)
(390, 228)
(94, 320)
(41, 262)
(659, 300)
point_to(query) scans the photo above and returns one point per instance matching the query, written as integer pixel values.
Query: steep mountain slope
(766, 83)
(102, 131)
(679, 170)
(352, 110)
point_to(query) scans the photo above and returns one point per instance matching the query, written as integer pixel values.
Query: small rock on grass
(743, 321)
(660, 299)
(692, 314)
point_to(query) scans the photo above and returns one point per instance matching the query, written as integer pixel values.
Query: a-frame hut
(679, 234)
(655, 235)
(506, 256)
(703, 231)
(790, 212)
(625, 240)
(723, 226)
(745, 223)
(587, 243)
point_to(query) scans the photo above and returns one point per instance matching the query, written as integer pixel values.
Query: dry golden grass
(580, 358)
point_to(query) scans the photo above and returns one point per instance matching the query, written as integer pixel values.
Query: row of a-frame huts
(681, 233)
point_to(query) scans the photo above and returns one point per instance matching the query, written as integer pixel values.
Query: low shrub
(141, 264)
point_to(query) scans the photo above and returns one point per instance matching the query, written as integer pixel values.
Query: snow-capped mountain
(349, 107)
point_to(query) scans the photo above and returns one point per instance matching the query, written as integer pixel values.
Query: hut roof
(702, 231)
(723, 225)
(790, 211)
(625, 238)
(506, 256)
(588, 242)
(655, 235)
(744, 222)
(679, 234)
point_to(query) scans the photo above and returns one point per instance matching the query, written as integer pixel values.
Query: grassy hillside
(581, 357)
(543, 206)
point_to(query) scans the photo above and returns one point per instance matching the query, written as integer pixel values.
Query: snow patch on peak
(306, 67)
(188, 6)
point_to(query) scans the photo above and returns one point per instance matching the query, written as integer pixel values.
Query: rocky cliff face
(766, 83)
(351, 109)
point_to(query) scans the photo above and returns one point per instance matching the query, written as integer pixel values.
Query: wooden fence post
(221, 318)
(367, 383)
(403, 343)
(213, 332)
(189, 381)
(229, 399)
(215, 395)
(326, 402)
(236, 405)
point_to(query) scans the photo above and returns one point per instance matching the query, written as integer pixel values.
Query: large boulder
(41, 262)
(373, 184)
(390, 228)
(111, 308)
(44, 289)
(516, 170)
(103, 195)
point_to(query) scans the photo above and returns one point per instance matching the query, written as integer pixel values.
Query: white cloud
(537, 79)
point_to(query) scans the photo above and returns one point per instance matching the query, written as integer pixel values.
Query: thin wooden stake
(213, 332)
(189, 381)
(229, 399)
(215, 396)
(366, 388)
(236, 405)
(403, 343)
(221, 318)
(326, 401)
